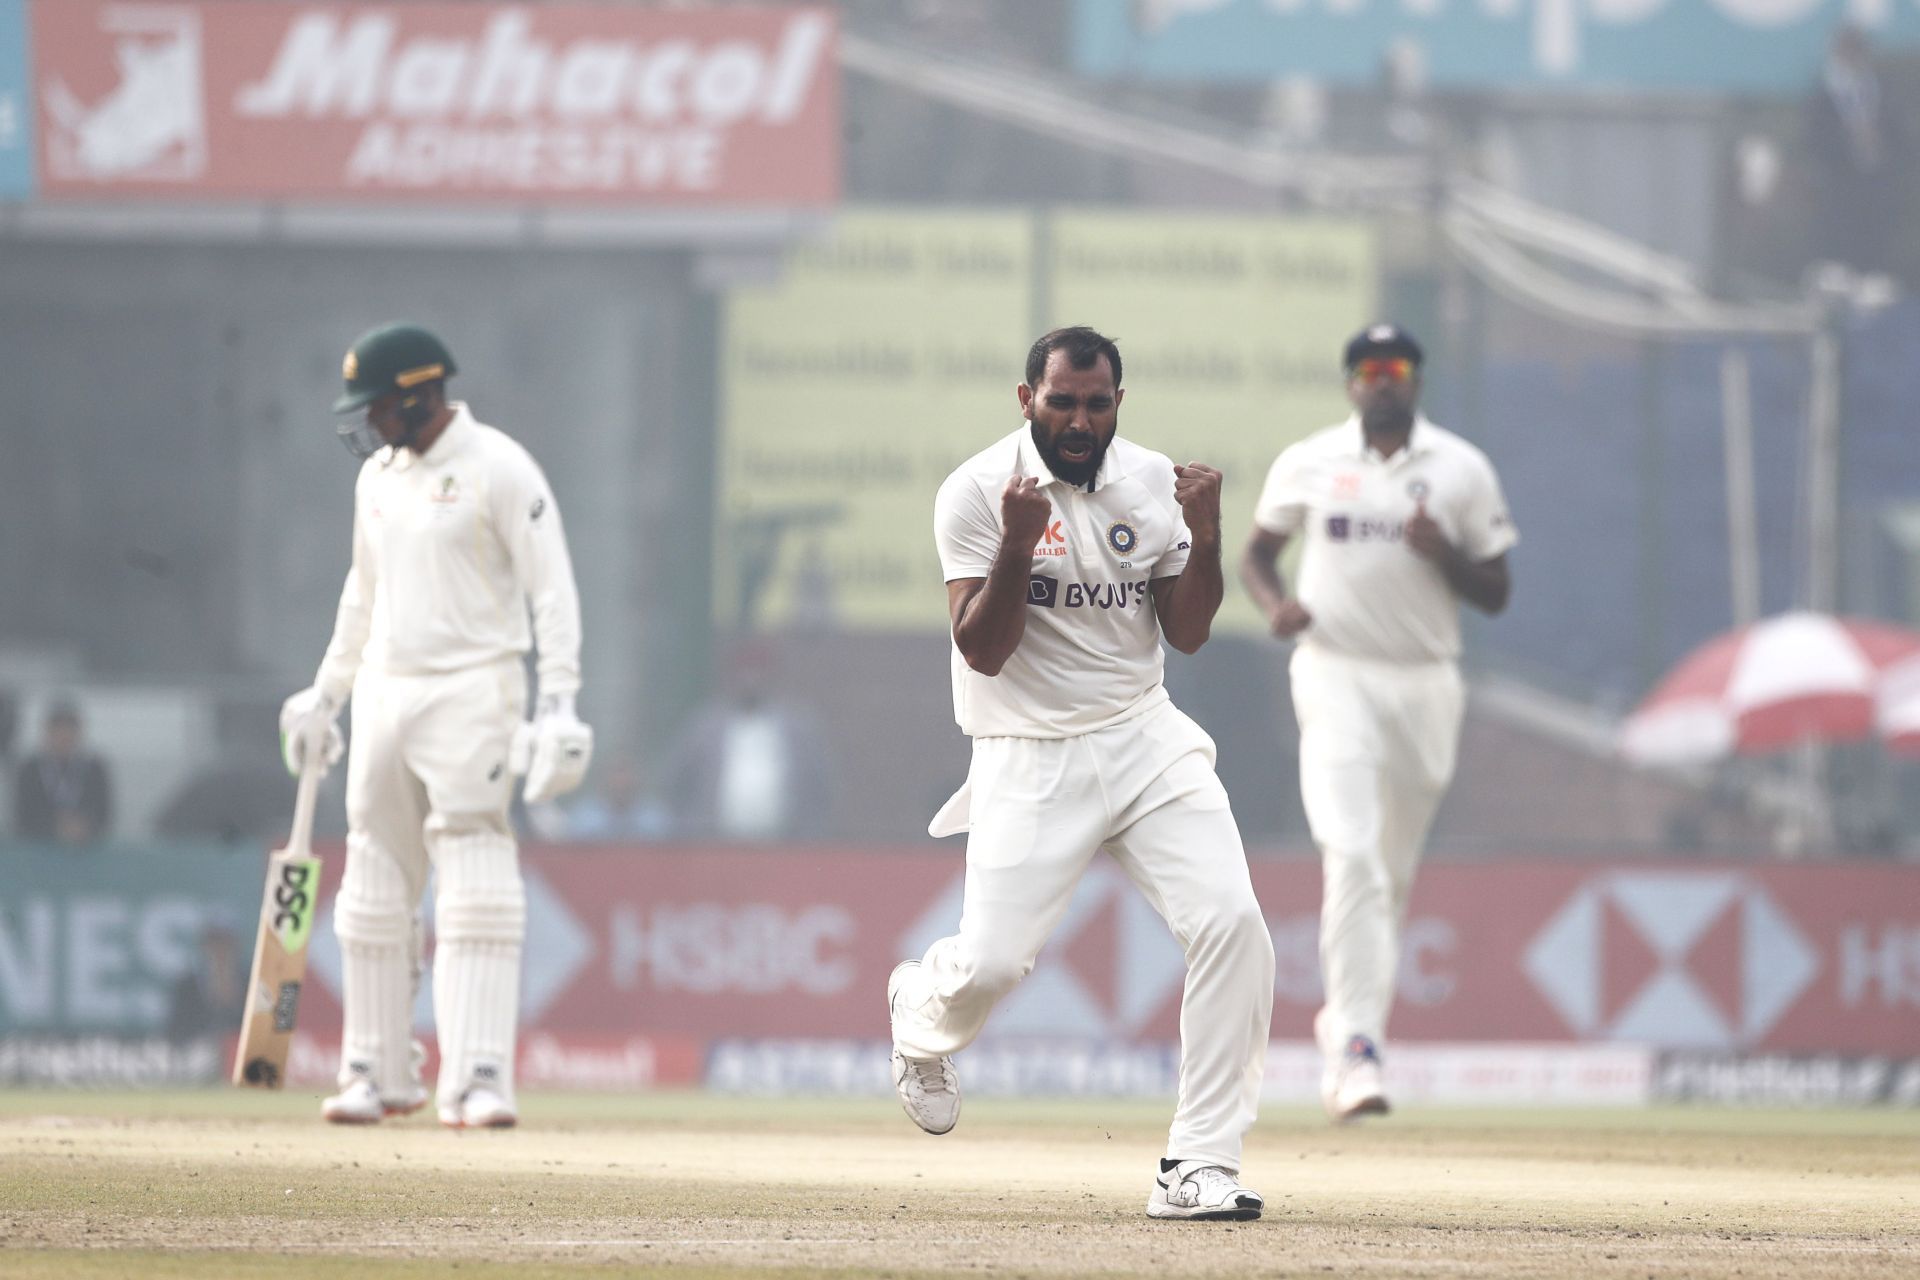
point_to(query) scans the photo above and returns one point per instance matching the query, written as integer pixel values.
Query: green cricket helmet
(393, 357)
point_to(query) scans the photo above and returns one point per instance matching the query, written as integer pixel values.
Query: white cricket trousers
(1377, 747)
(1144, 790)
(428, 786)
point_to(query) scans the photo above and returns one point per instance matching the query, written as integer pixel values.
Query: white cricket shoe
(358, 1103)
(1202, 1192)
(929, 1088)
(479, 1108)
(1354, 1088)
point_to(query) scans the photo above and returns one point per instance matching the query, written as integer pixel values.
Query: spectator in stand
(753, 766)
(621, 809)
(62, 794)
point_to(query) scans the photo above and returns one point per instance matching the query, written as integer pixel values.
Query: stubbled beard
(1077, 474)
(1390, 421)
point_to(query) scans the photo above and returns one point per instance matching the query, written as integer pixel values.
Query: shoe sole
(1174, 1213)
(403, 1111)
(1374, 1106)
(353, 1120)
(506, 1122)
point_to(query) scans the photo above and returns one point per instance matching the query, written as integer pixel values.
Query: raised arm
(989, 614)
(1187, 602)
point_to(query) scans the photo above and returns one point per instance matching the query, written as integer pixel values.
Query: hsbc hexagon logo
(1672, 959)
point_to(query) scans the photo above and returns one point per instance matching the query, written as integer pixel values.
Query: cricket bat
(280, 953)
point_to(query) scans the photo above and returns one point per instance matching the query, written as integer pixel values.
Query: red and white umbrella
(1897, 713)
(1787, 679)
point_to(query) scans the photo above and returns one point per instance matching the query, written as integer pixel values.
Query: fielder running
(455, 536)
(1068, 552)
(1398, 518)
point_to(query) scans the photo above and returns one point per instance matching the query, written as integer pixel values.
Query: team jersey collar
(1032, 464)
(1419, 439)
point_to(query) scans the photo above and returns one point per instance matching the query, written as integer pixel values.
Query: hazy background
(744, 410)
(746, 389)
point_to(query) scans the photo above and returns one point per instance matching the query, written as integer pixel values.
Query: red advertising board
(684, 946)
(538, 104)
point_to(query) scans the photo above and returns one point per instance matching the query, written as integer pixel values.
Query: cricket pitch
(211, 1184)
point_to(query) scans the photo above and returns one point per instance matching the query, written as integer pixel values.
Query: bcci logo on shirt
(1122, 537)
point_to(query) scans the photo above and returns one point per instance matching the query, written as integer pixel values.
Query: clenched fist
(1425, 538)
(1024, 512)
(1196, 487)
(1288, 619)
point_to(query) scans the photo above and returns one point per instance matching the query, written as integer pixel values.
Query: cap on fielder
(1387, 341)
(394, 357)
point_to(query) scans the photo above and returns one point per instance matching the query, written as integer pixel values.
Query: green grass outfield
(226, 1183)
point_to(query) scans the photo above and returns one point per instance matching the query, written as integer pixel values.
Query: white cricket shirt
(449, 551)
(1090, 656)
(1370, 595)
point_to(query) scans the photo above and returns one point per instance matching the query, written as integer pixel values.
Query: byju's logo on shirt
(1050, 594)
(1344, 528)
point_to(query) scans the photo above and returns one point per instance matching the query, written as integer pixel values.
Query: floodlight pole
(1743, 516)
(1823, 463)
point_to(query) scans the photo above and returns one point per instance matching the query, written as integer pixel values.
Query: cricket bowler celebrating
(1398, 519)
(1068, 552)
(456, 538)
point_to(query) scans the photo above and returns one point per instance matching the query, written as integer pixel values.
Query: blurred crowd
(60, 792)
(753, 765)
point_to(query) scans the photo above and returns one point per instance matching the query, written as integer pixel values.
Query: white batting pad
(375, 924)
(480, 913)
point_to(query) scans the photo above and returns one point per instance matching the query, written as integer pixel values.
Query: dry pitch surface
(215, 1184)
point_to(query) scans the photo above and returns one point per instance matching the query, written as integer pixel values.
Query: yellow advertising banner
(886, 354)
(889, 351)
(1230, 329)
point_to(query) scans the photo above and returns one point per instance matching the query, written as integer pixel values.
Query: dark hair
(1082, 345)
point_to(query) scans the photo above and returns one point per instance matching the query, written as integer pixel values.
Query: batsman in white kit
(1399, 520)
(457, 543)
(1068, 552)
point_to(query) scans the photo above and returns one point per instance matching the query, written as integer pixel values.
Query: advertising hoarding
(442, 102)
(1757, 46)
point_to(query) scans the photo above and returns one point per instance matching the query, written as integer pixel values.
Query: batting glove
(553, 751)
(307, 725)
